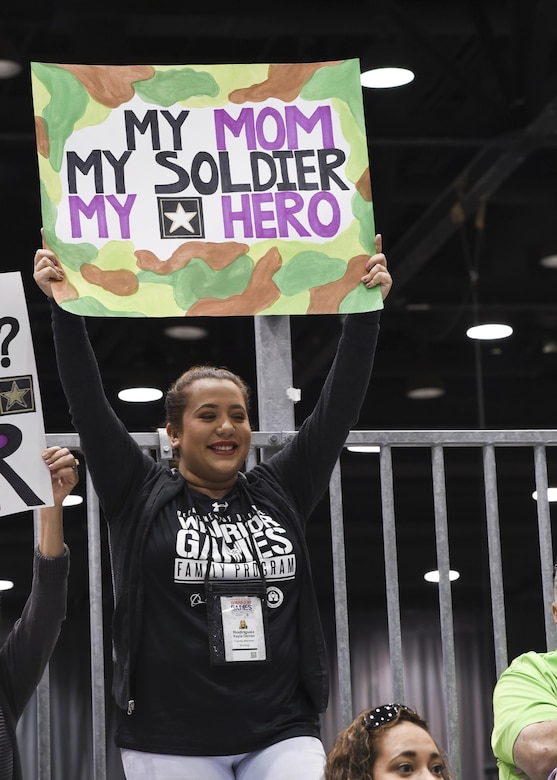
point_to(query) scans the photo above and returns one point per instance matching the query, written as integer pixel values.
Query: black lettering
(204, 187)
(285, 185)
(302, 169)
(226, 180)
(176, 124)
(118, 166)
(182, 181)
(150, 120)
(93, 161)
(326, 167)
(255, 159)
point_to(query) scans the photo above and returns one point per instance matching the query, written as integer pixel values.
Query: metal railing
(437, 442)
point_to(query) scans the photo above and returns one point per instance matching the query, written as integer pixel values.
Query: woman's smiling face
(407, 750)
(215, 437)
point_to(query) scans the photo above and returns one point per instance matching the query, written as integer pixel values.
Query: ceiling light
(72, 500)
(9, 61)
(6, 584)
(386, 78)
(433, 576)
(425, 387)
(186, 332)
(140, 395)
(489, 331)
(551, 494)
(549, 347)
(549, 261)
(364, 448)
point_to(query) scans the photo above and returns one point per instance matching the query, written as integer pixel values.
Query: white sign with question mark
(24, 479)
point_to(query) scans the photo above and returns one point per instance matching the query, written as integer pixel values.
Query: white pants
(299, 758)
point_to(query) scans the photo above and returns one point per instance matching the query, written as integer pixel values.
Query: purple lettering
(244, 122)
(295, 118)
(243, 215)
(286, 211)
(88, 210)
(317, 225)
(260, 216)
(279, 135)
(123, 211)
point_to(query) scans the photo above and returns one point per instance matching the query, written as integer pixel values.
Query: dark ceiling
(463, 163)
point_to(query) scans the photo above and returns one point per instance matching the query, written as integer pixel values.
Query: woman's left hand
(63, 471)
(376, 269)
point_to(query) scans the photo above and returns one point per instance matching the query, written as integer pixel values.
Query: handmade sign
(206, 189)
(24, 479)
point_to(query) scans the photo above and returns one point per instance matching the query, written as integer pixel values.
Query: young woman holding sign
(220, 667)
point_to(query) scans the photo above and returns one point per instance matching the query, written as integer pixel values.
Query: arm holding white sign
(25, 653)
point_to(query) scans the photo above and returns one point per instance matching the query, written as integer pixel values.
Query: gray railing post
(445, 606)
(341, 599)
(495, 560)
(44, 752)
(391, 572)
(546, 544)
(96, 622)
(274, 373)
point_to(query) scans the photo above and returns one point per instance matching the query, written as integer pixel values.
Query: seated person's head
(385, 743)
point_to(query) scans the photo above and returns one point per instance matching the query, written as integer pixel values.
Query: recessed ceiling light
(186, 332)
(72, 500)
(433, 576)
(425, 392)
(9, 60)
(364, 448)
(551, 494)
(549, 261)
(9, 69)
(425, 385)
(6, 584)
(385, 78)
(140, 395)
(489, 331)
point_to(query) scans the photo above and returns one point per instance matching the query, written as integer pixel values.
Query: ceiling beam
(468, 192)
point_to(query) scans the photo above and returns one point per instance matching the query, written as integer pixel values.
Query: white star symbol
(180, 218)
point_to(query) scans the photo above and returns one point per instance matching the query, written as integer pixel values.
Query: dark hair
(357, 747)
(177, 396)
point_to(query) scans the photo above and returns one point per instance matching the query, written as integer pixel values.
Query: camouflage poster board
(206, 189)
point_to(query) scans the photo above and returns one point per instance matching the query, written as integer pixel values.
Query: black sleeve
(26, 651)
(117, 464)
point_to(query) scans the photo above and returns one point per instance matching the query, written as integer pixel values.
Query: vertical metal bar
(43, 727)
(274, 373)
(445, 606)
(495, 560)
(391, 572)
(43, 699)
(251, 459)
(341, 598)
(96, 624)
(546, 544)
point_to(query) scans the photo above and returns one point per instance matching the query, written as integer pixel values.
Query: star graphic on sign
(180, 219)
(15, 396)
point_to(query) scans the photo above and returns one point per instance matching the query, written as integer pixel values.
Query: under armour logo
(218, 505)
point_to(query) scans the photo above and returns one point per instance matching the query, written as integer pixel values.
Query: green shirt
(525, 693)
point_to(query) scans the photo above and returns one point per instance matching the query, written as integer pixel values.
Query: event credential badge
(237, 620)
(244, 637)
(206, 189)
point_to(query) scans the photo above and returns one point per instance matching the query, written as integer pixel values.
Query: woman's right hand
(47, 269)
